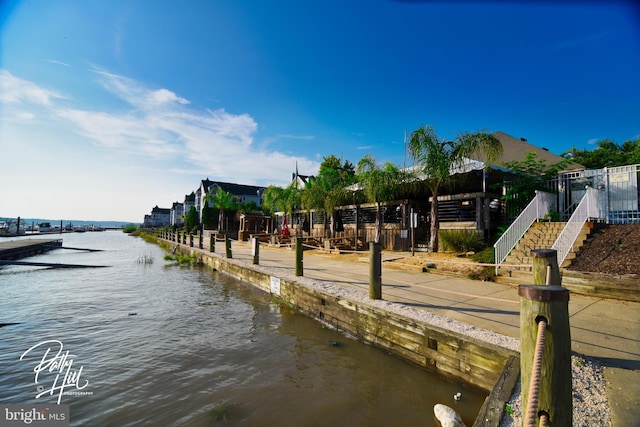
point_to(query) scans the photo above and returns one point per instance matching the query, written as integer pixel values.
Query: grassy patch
(130, 228)
(485, 256)
(221, 411)
(183, 259)
(461, 240)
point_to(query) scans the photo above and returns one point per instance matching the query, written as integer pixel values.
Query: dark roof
(158, 210)
(234, 189)
(515, 149)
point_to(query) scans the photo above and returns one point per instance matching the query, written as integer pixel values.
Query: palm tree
(436, 157)
(380, 184)
(223, 200)
(285, 199)
(328, 190)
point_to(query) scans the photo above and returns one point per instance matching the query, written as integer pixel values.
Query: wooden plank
(494, 405)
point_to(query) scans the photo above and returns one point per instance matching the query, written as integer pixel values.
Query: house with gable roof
(241, 193)
(159, 217)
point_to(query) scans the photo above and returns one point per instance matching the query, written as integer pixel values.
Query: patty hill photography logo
(55, 372)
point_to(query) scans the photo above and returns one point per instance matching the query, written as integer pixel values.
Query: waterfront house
(240, 193)
(189, 201)
(159, 217)
(177, 213)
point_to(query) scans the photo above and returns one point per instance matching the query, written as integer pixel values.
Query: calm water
(164, 345)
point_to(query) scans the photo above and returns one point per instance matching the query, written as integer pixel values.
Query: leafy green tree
(282, 199)
(192, 222)
(607, 154)
(271, 198)
(208, 216)
(525, 178)
(329, 188)
(249, 207)
(223, 201)
(435, 157)
(380, 183)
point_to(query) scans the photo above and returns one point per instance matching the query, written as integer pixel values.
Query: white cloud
(164, 96)
(53, 61)
(593, 141)
(14, 90)
(159, 124)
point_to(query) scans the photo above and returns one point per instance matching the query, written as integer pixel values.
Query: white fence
(590, 207)
(540, 206)
(621, 199)
(610, 194)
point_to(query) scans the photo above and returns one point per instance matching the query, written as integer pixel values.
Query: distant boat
(10, 228)
(44, 227)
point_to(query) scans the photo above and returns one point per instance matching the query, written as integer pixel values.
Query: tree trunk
(332, 225)
(378, 231)
(325, 228)
(433, 239)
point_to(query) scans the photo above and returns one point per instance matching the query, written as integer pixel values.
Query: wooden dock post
(255, 250)
(542, 258)
(200, 243)
(375, 270)
(227, 247)
(190, 240)
(212, 242)
(549, 303)
(299, 260)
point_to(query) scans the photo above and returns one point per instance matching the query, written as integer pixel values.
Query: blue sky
(108, 108)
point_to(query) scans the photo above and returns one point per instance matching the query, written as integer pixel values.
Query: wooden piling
(375, 270)
(255, 250)
(212, 242)
(200, 243)
(542, 259)
(190, 240)
(227, 247)
(551, 303)
(299, 260)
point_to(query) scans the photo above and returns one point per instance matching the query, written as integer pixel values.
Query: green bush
(130, 228)
(461, 240)
(485, 256)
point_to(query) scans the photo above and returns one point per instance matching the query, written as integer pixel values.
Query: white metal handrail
(591, 206)
(536, 209)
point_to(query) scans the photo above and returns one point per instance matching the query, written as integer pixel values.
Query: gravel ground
(590, 404)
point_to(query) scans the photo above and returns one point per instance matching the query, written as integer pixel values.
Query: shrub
(485, 256)
(129, 228)
(461, 240)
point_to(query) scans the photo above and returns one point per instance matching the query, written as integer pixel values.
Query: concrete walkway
(606, 329)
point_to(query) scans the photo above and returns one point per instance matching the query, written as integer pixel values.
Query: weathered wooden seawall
(17, 249)
(483, 365)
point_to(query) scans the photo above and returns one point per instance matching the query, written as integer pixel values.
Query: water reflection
(185, 346)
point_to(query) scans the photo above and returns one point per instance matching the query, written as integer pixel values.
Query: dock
(17, 249)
